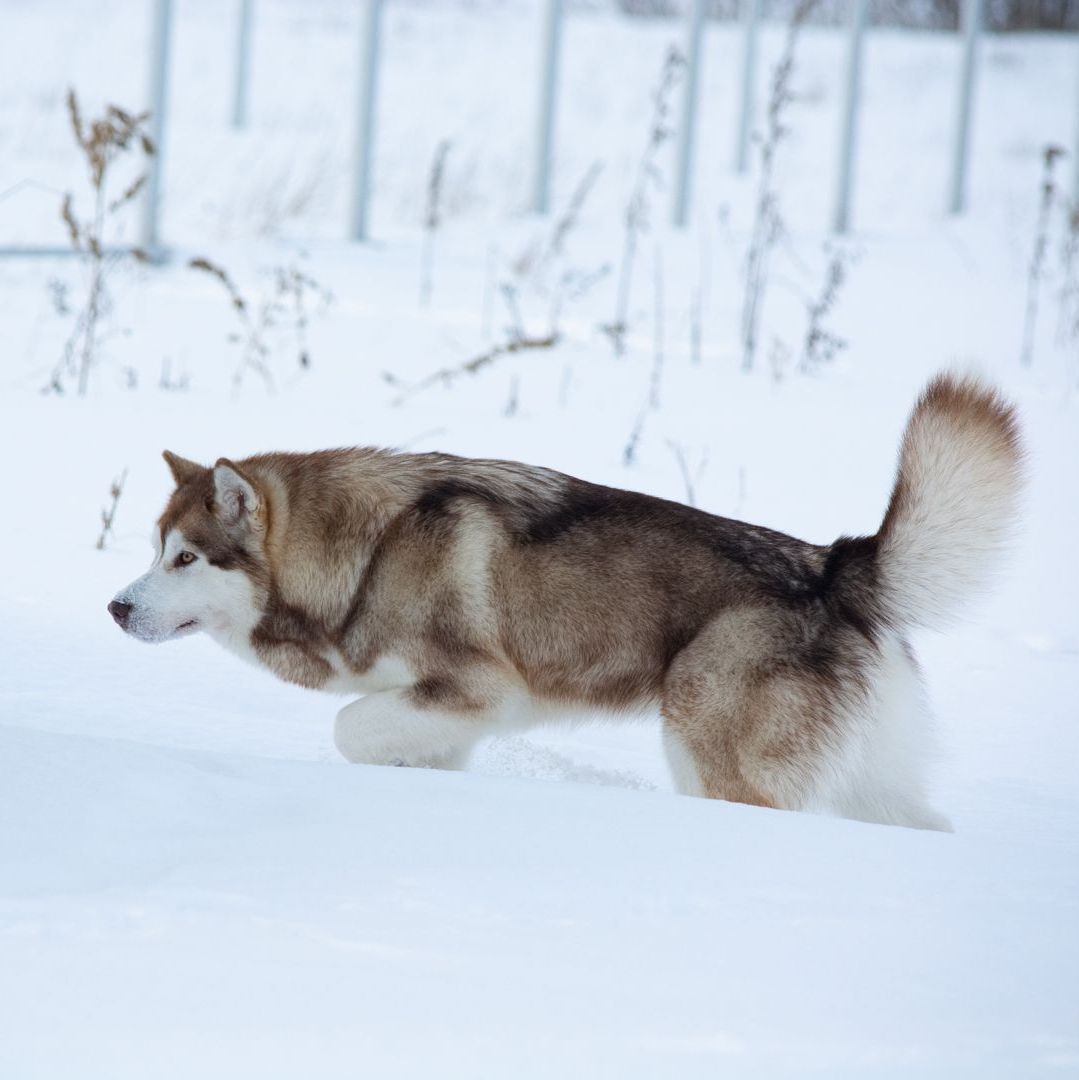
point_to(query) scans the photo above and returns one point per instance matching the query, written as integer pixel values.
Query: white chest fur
(388, 672)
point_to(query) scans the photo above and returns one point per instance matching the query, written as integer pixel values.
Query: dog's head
(210, 570)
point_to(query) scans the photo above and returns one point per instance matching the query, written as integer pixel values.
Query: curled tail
(954, 503)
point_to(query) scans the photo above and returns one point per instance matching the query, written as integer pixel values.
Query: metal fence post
(243, 65)
(160, 29)
(972, 25)
(687, 131)
(751, 21)
(548, 88)
(367, 91)
(849, 119)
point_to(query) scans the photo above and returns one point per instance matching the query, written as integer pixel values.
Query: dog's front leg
(398, 727)
(293, 662)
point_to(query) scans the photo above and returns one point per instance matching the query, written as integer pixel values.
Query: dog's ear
(182, 470)
(236, 499)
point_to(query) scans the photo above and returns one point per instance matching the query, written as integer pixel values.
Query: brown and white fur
(468, 597)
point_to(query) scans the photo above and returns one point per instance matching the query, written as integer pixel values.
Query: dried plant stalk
(1041, 246)
(103, 142)
(567, 221)
(822, 345)
(655, 381)
(639, 208)
(286, 303)
(432, 218)
(449, 375)
(1068, 321)
(108, 513)
(767, 222)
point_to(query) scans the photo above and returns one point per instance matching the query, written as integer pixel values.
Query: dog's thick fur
(464, 597)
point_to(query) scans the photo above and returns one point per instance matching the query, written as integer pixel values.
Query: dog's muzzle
(120, 611)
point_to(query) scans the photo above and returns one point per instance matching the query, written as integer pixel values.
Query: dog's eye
(185, 558)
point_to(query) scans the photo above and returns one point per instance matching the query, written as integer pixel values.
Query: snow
(297, 918)
(192, 883)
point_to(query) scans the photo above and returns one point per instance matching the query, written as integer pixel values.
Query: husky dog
(468, 597)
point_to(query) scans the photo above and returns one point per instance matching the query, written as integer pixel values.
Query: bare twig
(219, 272)
(254, 349)
(696, 306)
(658, 353)
(293, 286)
(629, 453)
(529, 271)
(167, 381)
(767, 222)
(743, 490)
(1041, 245)
(58, 294)
(108, 513)
(449, 375)
(542, 267)
(103, 143)
(688, 479)
(567, 221)
(487, 305)
(1068, 321)
(822, 345)
(572, 285)
(509, 294)
(779, 360)
(638, 209)
(432, 219)
(286, 302)
(513, 402)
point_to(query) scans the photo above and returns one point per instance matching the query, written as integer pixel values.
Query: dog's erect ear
(236, 500)
(182, 470)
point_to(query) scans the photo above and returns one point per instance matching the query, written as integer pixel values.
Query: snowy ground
(192, 884)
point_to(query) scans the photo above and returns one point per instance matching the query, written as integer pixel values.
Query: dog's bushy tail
(954, 503)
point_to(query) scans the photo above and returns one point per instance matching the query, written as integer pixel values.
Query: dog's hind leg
(751, 719)
(888, 750)
(752, 753)
(736, 725)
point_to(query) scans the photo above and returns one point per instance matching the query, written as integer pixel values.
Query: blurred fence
(1004, 15)
(549, 36)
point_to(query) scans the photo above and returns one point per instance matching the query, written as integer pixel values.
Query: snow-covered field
(193, 884)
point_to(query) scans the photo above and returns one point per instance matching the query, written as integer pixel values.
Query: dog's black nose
(119, 611)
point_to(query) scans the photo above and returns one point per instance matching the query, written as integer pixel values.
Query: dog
(463, 598)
